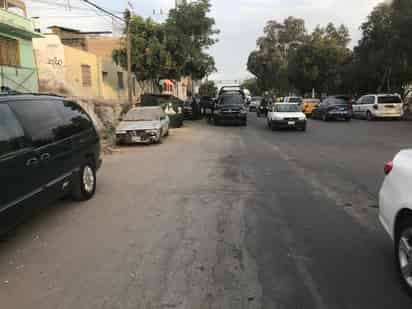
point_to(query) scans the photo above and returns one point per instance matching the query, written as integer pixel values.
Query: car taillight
(388, 167)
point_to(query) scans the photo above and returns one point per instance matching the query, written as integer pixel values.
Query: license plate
(291, 123)
(136, 139)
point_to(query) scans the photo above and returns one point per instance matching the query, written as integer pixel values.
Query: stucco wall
(23, 78)
(74, 59)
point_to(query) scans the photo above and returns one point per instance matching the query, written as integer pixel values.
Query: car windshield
(389, 99)
(231, 100)
(143, 114)
(286, 108)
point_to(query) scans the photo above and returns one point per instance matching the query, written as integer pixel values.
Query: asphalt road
(219, 217)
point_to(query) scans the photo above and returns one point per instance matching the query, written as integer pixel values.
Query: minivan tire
(84, 183)
(404, 226)
(369, 116)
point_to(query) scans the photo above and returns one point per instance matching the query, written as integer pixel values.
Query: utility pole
(129, 57)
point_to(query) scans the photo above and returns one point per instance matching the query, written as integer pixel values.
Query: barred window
(9, 52)
(86, 75)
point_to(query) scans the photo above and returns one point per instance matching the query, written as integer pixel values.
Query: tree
(382, 60)
(190, 33)
(269, 63)
(151, 60)
(173, 49)
(319, 62)
(208, 89)
(253, 86)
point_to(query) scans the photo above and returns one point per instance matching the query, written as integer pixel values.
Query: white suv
(395, 212)
(379, 106)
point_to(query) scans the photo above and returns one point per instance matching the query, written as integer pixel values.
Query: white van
(379, 106)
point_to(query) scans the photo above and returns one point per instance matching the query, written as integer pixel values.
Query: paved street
(219, 217)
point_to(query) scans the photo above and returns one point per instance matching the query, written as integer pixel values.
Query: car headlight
(243, 111)
(302, 118)
(153, 132)
(121, 132)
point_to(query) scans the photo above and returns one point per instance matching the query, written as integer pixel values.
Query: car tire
(369, 116)
(215, 122)
(84, 183)
(404, 232)
(325, 117)
(258, 115)
(167, 133)
(348, 119)
(160, 140)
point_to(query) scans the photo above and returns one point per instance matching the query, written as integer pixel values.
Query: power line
(103, 10)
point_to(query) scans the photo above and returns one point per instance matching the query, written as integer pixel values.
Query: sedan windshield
(286, 108)
(143, 114)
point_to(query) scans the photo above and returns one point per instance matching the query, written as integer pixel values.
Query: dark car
(334, 108)
(230, 109)
(172, 106)
(49, 148)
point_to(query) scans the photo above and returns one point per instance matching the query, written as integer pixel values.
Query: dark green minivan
(49, 148)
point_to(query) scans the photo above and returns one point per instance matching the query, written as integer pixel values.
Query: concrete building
(80, 64)
(17, 64)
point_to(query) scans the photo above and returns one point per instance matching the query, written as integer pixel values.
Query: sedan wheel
(324, 117)
(403, 253)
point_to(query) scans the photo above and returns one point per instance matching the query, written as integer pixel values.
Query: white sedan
(286, 115)
(143, 125)
(395, 212)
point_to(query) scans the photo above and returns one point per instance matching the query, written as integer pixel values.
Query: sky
(240, 22)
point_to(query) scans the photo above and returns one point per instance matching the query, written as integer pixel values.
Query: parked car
(379, 106)
(395, 212)
(49, 148)
(262, 109)
(230, 109)
(172, 106)
(334, 108)
(143, 125)
(308, 106)
(286, 115)
(255, 102)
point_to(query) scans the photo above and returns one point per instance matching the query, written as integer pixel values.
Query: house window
(105, 76)
(120, 81)
(86, 75)
(9, 52)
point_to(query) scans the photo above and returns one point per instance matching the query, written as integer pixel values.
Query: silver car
(143, 125)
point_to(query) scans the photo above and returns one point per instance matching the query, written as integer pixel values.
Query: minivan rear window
(40, 118)
(11, 133)
(389, 99)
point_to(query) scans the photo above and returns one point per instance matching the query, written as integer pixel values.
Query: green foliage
(319, 62)
(208, 89)
(383, 58)
(270, 62)
(252, 84)
(172, 49)
(289, 59)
